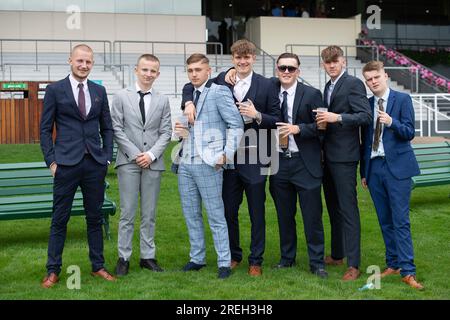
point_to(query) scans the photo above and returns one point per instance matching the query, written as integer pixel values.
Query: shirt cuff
(152, 156)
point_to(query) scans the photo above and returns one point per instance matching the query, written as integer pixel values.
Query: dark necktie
(81, 100)
(142, 104)
(196, 97)
(376, 139)
(284, 108)
(284, 114)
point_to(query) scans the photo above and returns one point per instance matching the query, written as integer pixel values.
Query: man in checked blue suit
(387, 165)
(207, 146)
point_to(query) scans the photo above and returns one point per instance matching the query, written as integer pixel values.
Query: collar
(290, 91)
(139, 89)
(337, 79)
(201, 88)
(385, 97)
(246, 80)
(74, 82)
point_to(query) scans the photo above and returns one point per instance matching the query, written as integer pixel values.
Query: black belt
(378, 158)
(288, 154)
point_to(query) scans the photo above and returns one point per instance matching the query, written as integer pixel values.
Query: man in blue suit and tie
(387, 165)
(207, 146)
(79, 157)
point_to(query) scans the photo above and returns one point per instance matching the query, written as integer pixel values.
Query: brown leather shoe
(255, 271)
(234, 264)
(102, 273)
(333, 262)
(351, 274)
(412, 282)
(389, 272)
(49, 281)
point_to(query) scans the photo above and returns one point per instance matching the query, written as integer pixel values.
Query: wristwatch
(258, 117)
(339, 118)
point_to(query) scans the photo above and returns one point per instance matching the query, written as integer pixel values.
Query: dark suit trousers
(340, 194)
(90, 176)
(234, 185)
(293, 179)
(391, 199)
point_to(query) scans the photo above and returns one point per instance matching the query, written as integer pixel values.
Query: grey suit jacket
(132, 136)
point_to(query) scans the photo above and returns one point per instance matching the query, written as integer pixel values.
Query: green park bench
(115, 148)
(434, 164)
(26, 192)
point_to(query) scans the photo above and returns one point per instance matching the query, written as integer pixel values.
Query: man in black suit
(300, 168)
(348, 110)
(259, 105)
(79, 110)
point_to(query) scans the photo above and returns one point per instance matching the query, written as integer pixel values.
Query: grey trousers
(134, 181)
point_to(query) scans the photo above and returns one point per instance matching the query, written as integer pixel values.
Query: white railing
(436, 107)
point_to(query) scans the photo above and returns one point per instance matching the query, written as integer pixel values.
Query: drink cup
(246, 118)
(322, 126)
(282, 141)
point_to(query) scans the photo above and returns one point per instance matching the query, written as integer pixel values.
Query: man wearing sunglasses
(300, 170)
(259, 106)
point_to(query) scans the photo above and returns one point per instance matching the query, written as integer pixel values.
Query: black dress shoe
(284, 265)
(224, 272)
(122, 267)
(150, 264)
(192, 266)
(320, 272)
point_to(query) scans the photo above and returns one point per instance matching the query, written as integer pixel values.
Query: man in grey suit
(142, 130)
(208, 145)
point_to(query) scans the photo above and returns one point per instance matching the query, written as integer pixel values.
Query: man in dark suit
(79, 110)
(259, 106)
(387, 165)
(348, 110)
(300, 168)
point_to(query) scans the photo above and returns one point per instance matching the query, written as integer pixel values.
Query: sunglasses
(291, 69)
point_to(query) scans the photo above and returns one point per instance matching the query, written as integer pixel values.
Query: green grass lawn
(23, 252)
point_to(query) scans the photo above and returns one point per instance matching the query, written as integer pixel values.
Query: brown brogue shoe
(389, 272)
(351, 274)
(102, 273)
(50, 280)
(412, 282)
(255, 271)
(333, 262)
(234, 264)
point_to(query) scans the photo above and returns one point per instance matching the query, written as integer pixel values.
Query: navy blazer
(75, 135)
(399, 154)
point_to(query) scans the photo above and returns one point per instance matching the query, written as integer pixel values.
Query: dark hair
(243, 47)
(331, 53)
(149, 57)
(289, 55)
(197, 57)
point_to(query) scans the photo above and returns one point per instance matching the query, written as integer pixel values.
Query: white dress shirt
(241, 87)
(87, 97)
(380, 151)
(290, 103)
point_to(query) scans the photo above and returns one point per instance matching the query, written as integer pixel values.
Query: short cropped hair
(197, 57)
(288, 55)
(331, 53)
(243, 47)
(148, 57)
(373, 66)
(82, 47)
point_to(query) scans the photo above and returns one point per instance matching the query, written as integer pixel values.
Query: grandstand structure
(35, 45)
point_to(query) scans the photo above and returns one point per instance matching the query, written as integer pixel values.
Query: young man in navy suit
(387, 165)
(79, 157)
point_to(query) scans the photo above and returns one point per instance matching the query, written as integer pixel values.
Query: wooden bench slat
(24, 174)
(23, 165)
(444, 170)
(434, 157)
(429, 145)
(26, 190)
(437, 164)
(432, 151)
(33, 199)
